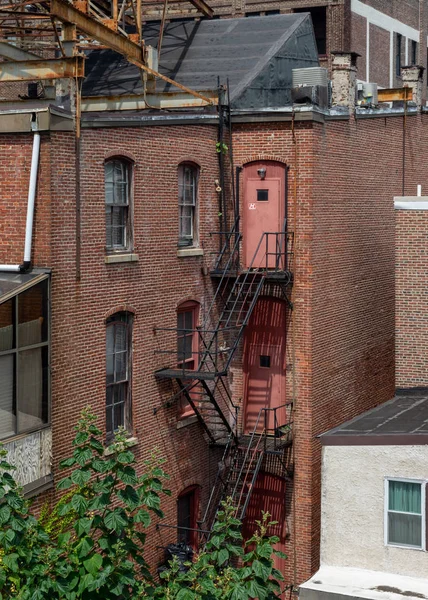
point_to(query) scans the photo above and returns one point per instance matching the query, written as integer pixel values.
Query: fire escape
(206, 389)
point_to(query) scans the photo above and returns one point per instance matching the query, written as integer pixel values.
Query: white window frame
(422, 483)
(125, 207)
(191, 240)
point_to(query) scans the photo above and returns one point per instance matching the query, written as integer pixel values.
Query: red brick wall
(379, 55)
(411, 304)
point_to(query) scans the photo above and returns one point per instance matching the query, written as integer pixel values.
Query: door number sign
(252, 206)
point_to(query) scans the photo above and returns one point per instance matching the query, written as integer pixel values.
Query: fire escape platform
(186, 375)
(274, 275)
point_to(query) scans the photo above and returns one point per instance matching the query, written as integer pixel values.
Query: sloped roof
(198, 53)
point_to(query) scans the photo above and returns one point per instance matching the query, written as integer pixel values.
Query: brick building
(205, 284)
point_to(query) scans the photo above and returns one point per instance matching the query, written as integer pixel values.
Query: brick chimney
(413, 77)
(344, 79)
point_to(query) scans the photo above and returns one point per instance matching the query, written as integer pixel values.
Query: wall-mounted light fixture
(261, 173)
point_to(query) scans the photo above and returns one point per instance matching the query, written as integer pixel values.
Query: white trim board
(411, 202)
(375, 17)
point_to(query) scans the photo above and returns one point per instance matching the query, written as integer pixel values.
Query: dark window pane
(33, 315)
(265, 361)
(6, 326)
(262, 195)
(7, 409)
(184, 517)
(32, 388)
(188, 319)
(109, 420)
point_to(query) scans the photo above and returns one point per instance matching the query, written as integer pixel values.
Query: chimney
(344, 79)
(413, 77)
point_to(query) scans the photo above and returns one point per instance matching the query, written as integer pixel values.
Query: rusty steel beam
(203, 7)
(115, 41)
(393, 94)
(30, 70)
(66, 13)
(14, 53)
(151, 100)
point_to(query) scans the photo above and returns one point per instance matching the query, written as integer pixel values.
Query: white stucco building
(374, 503)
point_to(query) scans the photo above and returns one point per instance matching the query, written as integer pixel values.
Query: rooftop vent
(310, 76)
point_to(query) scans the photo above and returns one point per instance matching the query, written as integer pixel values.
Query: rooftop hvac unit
(370, 93)
(310, 76)
(317, 95)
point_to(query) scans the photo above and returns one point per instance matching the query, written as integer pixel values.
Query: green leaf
(93, 564)
(82, 455)
(257, 589)
(68, 462)
(11, 562)
(142, 516)
(127, 475)
(79, 503)
(125, 457)
(129, 496)
(81, 438)
(223, 556)
(80, 477)
(99, 465)
(14, 501)
(262, 568)
(5, 513)
(96, 445)
(64, 484)
(84, 547)
(83, 526)
(115, 520)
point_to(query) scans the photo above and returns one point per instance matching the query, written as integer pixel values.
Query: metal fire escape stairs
(204, 388)
(263, 449)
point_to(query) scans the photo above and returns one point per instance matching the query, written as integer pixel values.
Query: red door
(264, 365)
(269, 495)
(263, 212)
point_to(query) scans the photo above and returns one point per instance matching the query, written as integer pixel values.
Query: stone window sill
(121, 258)
(183, 252)
(185, 421)
(132, 441)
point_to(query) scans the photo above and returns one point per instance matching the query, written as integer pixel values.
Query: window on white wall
(405, 518)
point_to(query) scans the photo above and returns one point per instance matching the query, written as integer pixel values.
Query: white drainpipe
(30, 205)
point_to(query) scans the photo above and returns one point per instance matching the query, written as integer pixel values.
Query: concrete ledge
(130, 442)
(121, 258)
(183, 252)
(411, 202)
(187, 421)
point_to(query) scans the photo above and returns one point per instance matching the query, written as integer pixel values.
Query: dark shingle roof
(197, 53)
(402, 420)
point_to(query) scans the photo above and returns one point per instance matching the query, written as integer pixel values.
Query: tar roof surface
(404, 419)
(196, 54)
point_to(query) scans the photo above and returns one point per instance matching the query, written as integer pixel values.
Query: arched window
(117, 179)
(187, 516)
(187, 204)
(187, 344)
(118, 372)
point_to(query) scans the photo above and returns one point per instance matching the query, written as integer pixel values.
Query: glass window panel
(180, 320)
(188, 319)
(6, 326)
(405, 496)
(32, 388)
(405, 529)
(120, 340)
(121, 360)
(32, 315)
(119, 416)
(109, 420)
(180, 348)
(109, 192)
(109, 395)
(188, 346)
(7, 410)
(262, 195)
(184, 517)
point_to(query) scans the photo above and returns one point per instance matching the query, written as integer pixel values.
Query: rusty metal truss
(48, 39)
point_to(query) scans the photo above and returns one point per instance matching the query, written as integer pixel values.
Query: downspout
(26, 264)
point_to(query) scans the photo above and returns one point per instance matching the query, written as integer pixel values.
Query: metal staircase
(242, 461)
(237, 292)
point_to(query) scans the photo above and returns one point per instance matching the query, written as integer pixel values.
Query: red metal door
(263, 212)
(269, 495)
(264, 365)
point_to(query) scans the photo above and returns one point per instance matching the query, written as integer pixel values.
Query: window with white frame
(187, 204)
(117, 180)
(118, 372)
(405, 518)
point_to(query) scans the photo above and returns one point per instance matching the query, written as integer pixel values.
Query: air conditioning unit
(310, 76)
(317, 95)
(369, 95)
